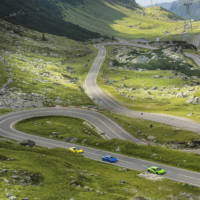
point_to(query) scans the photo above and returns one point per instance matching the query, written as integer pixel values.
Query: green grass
(3, 75)
(143, 97)
(163, 134)
(57, 168)
(4, 111)
(154, 153)
(65, 127)
(66, 63)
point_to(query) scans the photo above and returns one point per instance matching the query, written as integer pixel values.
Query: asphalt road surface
(111, 129)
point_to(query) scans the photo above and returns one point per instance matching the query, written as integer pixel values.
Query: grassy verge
(162, 134)
(57, 174)
(4, 111)
(160, 85)
(3, 75)
(154, 153)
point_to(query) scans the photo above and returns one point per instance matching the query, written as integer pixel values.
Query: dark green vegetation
(161, 81)
(40, 173)
(154, 153)
(49, 15)
(43, 68)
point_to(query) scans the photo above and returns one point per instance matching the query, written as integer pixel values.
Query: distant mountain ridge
(179, 9)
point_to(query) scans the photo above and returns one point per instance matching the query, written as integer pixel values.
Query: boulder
(118, 149)
(157, 76)
(140, 198)
(194, 100)
(29, 143)
(151, 138)
(71, 139)
(12, 198)
(140, 60)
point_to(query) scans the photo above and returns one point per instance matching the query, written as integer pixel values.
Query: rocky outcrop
(28, 143)
(15, 99)
(194, 100)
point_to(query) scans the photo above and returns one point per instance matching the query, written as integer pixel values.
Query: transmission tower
(188, 20)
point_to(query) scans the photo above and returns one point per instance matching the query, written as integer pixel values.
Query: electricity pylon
(188, 20)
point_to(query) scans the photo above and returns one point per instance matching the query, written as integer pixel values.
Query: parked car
(156, 170)
(110, 159)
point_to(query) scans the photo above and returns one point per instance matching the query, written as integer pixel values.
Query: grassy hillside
(160, 81)
(123, 22)
(120, 18)
(41, 70)
(40, 173)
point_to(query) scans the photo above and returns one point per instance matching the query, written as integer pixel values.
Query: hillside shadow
(50, 17)
(43, 16)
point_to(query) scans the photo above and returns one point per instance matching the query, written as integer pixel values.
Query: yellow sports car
(75, 150)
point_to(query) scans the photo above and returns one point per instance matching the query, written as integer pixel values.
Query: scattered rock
(71, 139)
(122, 182)
(154, 88)
(118, 149)
(150, 137)
(194, 100)
(157, 76)
(29, 143)
(123, 169)
(55, 134)
(140, 198)
(12, 198)
(150, 176)
(151, 126)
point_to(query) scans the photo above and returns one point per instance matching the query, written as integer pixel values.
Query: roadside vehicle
(156, 170)
(110, 159)
(76, 150)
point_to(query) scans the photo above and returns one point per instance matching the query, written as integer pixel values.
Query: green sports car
(156, 170)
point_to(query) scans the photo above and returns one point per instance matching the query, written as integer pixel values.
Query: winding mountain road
(111, 130)
(107, 102)
(106, 125)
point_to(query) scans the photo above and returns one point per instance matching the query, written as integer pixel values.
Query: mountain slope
(83, 19)
(43, 16)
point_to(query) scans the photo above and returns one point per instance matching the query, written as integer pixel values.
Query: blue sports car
(108, 158)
